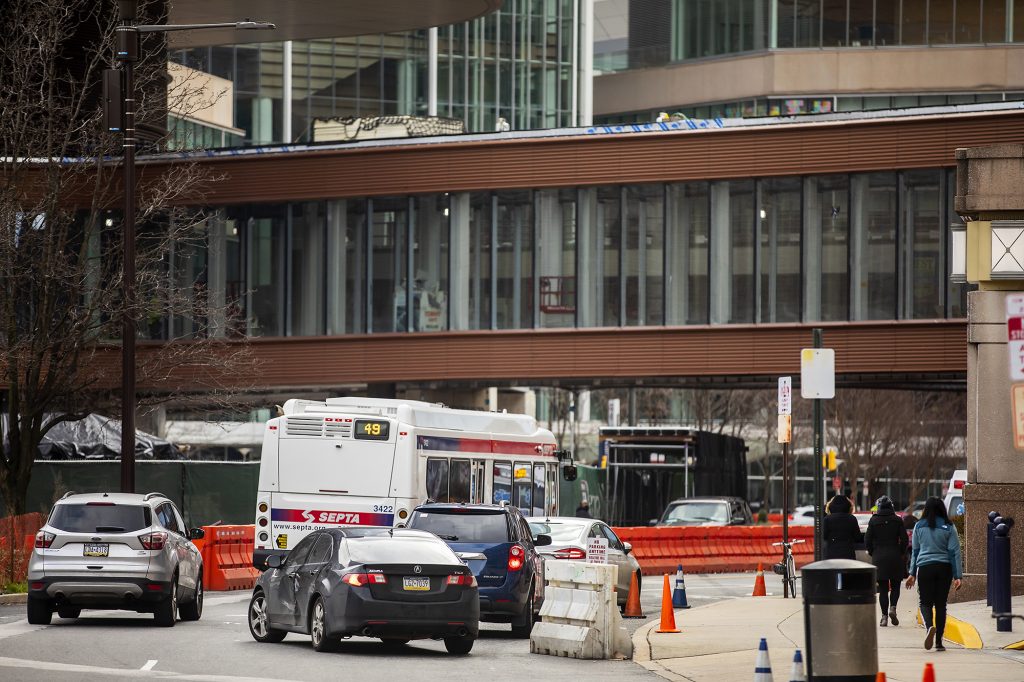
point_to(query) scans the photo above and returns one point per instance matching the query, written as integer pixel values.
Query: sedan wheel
(259, 623)
(318, 628)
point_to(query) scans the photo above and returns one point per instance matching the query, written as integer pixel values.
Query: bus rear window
(462, 526)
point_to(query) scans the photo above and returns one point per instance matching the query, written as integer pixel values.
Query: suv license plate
(96, 550)
(416, 584)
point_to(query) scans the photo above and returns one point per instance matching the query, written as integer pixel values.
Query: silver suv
(115, 551)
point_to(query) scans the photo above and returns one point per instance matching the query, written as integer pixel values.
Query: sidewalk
(719, 642)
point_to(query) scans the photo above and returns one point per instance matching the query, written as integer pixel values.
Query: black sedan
(393, 583)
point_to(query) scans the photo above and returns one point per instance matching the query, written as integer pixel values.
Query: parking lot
(113, 644)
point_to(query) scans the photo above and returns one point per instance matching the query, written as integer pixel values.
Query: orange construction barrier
(880, 677)
(227, 558)
(633, 608)
(929, 673)
(759, 589)
(668, 616)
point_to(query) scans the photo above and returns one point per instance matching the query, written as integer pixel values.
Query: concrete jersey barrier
(713, 549)
(580, 616)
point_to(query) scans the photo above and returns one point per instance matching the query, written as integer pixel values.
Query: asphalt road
(114, 645)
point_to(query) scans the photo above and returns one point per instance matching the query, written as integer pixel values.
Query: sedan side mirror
(196, 534)
(541, 540)
(274, 561)
(626, 548)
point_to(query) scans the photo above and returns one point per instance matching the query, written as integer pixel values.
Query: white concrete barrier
(580, 617)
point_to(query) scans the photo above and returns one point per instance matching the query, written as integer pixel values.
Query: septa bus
(370, 461)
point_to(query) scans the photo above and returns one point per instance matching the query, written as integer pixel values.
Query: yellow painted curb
(1016, 646)
(959, 631)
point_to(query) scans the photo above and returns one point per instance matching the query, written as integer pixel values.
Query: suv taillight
(44, 539)
(153, 540)
(363, 579)
(516, 557)
(462, 579)
(570, 553)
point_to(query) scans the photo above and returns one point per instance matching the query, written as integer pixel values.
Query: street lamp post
(119, 97)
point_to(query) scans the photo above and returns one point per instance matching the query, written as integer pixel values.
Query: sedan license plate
(96, 550)
(416, 584)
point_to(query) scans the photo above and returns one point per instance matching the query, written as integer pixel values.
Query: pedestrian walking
(886, 542)
(840, 530)
(583, 511)
(934, 564)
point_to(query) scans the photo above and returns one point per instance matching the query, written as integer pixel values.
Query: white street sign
(613, 412)
(817, 373)
(785, 395)
(597, 550)
(1015, 335)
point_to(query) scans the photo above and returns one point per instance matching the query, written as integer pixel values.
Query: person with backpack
(935, 562)
(886, 542)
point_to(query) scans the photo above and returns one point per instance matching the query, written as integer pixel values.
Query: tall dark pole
(127, 54)
(785, 509)
(818, 476)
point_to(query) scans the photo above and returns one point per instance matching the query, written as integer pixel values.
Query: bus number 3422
(384, 508)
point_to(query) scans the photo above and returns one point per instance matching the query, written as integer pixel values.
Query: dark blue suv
(496, 543)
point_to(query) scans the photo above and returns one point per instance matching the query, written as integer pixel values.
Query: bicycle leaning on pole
(787, 567)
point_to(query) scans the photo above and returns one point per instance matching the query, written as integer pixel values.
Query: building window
(431, 239)
(346, 266)
(389, 239)
(600, 243)
(514, 260)
(643, 255)
(556, 256)
(921, 208)
(826, 248)
(779, 249)
(307, 233)
(873, 240)
(732, 251)
(686, 246)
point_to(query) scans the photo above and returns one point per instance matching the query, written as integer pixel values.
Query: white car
(954, 499)
(802, 516)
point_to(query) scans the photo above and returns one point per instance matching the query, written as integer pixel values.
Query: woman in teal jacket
(934, 563)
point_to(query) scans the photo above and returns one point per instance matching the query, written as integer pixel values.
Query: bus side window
(538, 490)
(458, 487)
(477, 488)
(552, 489)
(501, 485)
(437, 479)
(523, 480)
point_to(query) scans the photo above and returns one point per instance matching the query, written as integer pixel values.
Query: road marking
(97, 671)
(18, 627)
(149, 664)
(226, 599)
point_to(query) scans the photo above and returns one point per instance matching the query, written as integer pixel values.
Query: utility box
(839, 621)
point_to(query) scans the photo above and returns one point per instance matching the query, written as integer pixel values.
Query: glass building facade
(864, 246)
(517, 63)
(658, 32)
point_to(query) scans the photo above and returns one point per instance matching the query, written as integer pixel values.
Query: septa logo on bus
(341, 518)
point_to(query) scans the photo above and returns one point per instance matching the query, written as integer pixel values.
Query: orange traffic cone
(880, 677)
(759, 590)
(668, 616)
(633, 609)
(929, 673)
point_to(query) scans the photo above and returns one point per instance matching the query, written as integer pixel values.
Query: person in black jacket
(886, 542)
(840, 530)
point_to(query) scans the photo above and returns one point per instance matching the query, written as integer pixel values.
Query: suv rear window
(100, 518)
(458, 526)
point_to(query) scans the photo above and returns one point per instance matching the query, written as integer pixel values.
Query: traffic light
(828, 458)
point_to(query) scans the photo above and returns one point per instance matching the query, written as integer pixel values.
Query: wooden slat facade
(794, 149)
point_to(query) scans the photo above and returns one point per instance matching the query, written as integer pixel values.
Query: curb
(959, 631)
(14, 598)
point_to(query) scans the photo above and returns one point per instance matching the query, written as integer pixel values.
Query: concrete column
(432, 71)
(337, 264)
(460, 270)
(587, 283)
(813, 256)
(989, 182)
(286, 93)
(721, 255)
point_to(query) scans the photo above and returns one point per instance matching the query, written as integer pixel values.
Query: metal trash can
(840, 632)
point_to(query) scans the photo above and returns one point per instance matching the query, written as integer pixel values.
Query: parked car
(706, 511)
(496, 543)
(569, 536)
(392, 583)
(954, 499)
(115, 551)
(802, 516)
(914, 508)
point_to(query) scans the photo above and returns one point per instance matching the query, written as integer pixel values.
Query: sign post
(818, 382)
(785, 435)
